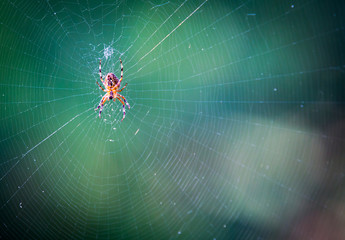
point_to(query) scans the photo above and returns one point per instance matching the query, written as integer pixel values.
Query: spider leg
(123, 107)
(101, 104)
(118, 84)
(121, 71)
(122, 88)
(100, 86)
(124, 99)
(100, 71)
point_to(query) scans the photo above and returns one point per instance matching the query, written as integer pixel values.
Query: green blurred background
(236, 127)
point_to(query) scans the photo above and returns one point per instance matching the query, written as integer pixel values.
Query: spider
(112, 85)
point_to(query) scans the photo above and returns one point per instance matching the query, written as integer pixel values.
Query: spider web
(236, 126)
